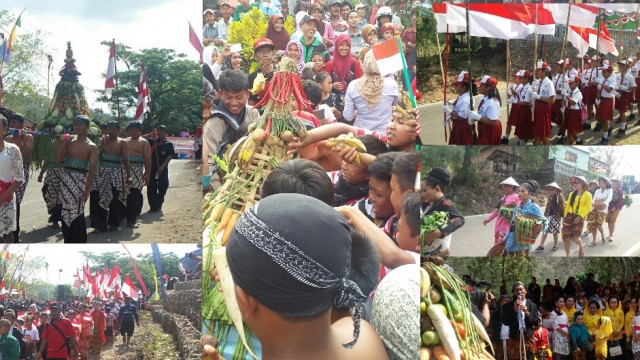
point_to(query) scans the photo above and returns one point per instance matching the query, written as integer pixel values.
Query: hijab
(579, 333)
(605, 330)
(342, 64)
(207, 52)
(371, 83)
(300, 61)
(226, 65)
(366, 30)
(279, 38)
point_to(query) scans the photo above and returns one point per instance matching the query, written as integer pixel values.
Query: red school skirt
(573, 121)
(589, 95)
(513, 115)
(461, 133)
(605, 110)
(489, 134)
(524, 125)
(637, 94)
(556, 113)
(623, 103)
(542, 119)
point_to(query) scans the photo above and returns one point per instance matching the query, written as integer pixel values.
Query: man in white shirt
(606, 91)
(223, 24)
(627, 90)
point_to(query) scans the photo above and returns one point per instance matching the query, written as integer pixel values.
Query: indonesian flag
(195, 41)
(109, 83)
(114, 279)
(498, 21)
(143, 95)
(76, 283)
(584, 38)
(388, 56)
(581, 14)
(129, 289)
(105, 279)
(3, 289)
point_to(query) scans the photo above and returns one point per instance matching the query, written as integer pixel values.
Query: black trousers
(56, 213)
(76, 232)
(157, 189)
(134, 205)
(101, 217)
(16, 233)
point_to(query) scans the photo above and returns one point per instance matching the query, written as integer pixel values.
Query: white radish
(482, 332)
(226, 281)
(445, 331)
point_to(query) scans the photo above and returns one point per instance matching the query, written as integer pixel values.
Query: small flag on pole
(143, 95)
(388, 56)
(6, 55)
(109, 83)
(195, 41)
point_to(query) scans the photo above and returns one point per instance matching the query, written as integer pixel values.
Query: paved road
(432, 132)
(475, 239)
(179, 222)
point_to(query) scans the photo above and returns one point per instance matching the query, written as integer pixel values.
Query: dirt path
(149, 342)
(179, 222)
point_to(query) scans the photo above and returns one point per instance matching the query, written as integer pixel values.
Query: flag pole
(442, 72)
(115, 68)
(564, 49)
(405, 70)
(535, 61)
(598, 43)
(473, 127)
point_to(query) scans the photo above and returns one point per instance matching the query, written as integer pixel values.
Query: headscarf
(226, 65)
(604, 331)
(370, 85)
(279, 38)
(342, 64)
(397, 298)
(299, 33)
(298, 44)
(366, 30)
(292, 266)
(579, 333)
(207, 52)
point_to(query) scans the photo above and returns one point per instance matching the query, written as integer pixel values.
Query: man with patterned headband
(309, 261)
(139, 159)
(109, 191)
(80, 157)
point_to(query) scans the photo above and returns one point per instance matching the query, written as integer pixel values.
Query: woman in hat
(526, 207)
(461, 133)
(553, 211)
(616, 204)
(577, 207)
(543, 96)
(572, 111)
(488, 114)
(598, 214)
(502, 212)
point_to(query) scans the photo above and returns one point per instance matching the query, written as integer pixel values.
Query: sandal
(540, 248)
(603, 241)
(611, 239)
(591, 244)
(555, 248)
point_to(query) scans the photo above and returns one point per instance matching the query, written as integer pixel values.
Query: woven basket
(529, 238)
(506, 211)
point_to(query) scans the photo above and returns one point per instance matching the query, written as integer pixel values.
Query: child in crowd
(111, 317)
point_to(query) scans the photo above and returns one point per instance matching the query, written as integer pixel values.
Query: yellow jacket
(602, 335)
(569, 313)
(581, 205)
(617, 322)
(628, 328)
(591, 321)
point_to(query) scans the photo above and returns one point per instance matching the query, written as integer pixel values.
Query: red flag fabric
(114, 279)
(143, 95)
(195, 41)
(129, 289)
(137, 273)
(584, 38)
(109, 83)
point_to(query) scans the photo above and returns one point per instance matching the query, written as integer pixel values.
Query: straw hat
(581, 178)
(510, 181)
(553, 185)
(605, 180)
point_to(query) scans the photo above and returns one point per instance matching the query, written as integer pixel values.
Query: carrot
(482, 332)
(440, 353)
(226, 281)
(445, 331)
(229, 228)
(226, 216)
(214, 214)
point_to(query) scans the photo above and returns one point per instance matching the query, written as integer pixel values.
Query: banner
(183, 145)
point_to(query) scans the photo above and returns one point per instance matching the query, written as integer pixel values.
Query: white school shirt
(576, 96)
(628, 80)
(573, 71)
(586, 76)
(544, 88)
(461, 106)
(609, 82)
(490, 108)
(524, 93)
(558, 84)
(517, 88)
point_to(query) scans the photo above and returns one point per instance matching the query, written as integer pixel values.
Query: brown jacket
(555, 208)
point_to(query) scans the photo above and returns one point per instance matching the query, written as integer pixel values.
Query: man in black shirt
(534, 290)
(126, 316)
(161, 153)
(520, 314)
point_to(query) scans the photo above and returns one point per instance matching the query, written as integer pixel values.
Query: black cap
(161, 128)
(82, 118)
(113, 124)
(18, 117)
(134, 125)
(308, 18)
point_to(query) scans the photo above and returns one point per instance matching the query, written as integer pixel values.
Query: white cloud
(137, 24)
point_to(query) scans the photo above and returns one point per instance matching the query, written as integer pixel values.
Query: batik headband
(302, 267)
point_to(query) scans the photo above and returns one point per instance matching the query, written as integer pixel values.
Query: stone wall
(186, 300)
(522, 56)
(187, 337)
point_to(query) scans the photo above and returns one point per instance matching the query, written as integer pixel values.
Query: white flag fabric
(581, 14)
(129, 289)
(109, 83)
(143, 95)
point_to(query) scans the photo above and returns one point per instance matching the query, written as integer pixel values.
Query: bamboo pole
(508, 76)
(115, 68)
(442, 72)
(473, 128)
(563, 53)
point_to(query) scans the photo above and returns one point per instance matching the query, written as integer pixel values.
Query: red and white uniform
(542, 110)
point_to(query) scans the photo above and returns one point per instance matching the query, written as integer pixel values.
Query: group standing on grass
(538, 99)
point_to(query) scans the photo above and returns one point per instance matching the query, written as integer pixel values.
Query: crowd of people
(110, 173)
(69, 329)
(570, 98)
(587, 320)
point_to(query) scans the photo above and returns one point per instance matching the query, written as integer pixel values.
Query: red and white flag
(584, 38)
(581, 14)
(109, 83)
(77, 283)
(143, 95)
(195, 41)
(129, 289)
(497, 21)
(114, 279)
(388, 56)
